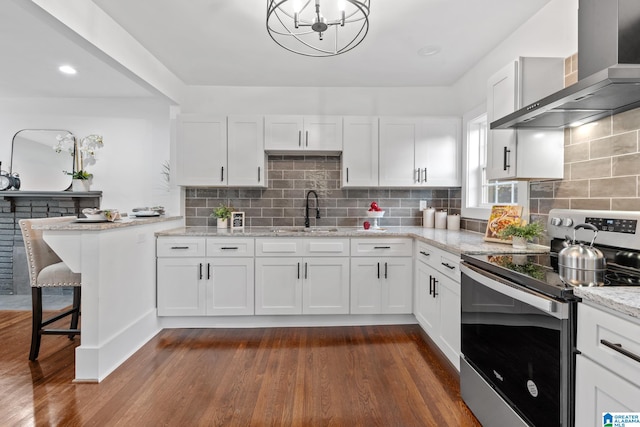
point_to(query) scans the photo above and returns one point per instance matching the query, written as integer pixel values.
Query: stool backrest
(39, 254)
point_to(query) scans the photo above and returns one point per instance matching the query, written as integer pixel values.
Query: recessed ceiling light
(429, 50)
(67, 69)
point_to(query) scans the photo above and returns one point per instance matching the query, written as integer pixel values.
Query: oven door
(519, 343)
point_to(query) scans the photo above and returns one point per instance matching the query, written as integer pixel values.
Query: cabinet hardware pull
(306, 138)
(449, 266)
(298, 270)
(347, 174)
(299, 138)
(425, 174)
(430, 284)
(435, 294)
(222, 174)
(179, 247)
(505, 159)
(416, 175)
(258, 173)
(208, 271)
(200, 272)
(385, 270)
(305, 270)
(382, 247)
(378, 270)
(229, 248)
(619, 349)
(424, 253)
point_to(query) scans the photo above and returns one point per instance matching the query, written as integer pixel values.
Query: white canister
(428, 217)
(441, 219)
(453, 222)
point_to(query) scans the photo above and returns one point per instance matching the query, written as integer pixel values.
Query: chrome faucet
(306, 210)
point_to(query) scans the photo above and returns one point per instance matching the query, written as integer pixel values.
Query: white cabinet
(308, 276)
(524, 154)
(201, 152)
(437, 298)
(360, 152)
(607, 379)
(313, 134)
(381, 276)
(419, 152)
(198, 276)
(212, 151)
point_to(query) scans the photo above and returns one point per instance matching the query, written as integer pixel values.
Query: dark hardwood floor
(347, 376)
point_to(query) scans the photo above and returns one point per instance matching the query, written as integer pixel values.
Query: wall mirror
(39, 166)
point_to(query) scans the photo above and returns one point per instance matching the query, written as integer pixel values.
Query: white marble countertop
(99, 226)
(624, 299)
(456, 242)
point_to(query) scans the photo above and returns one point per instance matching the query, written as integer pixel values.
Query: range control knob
(567, 222)
(556, 221)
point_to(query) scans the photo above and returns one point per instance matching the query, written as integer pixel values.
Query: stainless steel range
(519, 319)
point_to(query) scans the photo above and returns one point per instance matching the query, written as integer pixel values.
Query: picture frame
(501, 216)
(237, 220)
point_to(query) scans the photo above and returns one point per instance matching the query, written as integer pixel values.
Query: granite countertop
(98, 226)
(623, 299)
(456, 242)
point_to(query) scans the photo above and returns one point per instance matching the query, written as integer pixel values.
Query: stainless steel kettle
(581, 265)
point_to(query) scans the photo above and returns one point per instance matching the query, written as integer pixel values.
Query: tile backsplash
(282, 204)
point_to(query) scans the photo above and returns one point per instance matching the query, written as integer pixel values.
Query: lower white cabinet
(437, 299)
(607, 372)
(190, 285)
(381, 285)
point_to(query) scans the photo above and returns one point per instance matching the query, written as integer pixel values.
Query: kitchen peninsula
(117, 263)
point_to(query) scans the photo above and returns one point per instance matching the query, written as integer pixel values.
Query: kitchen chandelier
(302, 27)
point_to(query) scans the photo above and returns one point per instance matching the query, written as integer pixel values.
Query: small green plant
(526, 231)
(79, 174)
(222, 211)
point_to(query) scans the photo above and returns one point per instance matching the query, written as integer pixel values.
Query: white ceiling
(224, 42)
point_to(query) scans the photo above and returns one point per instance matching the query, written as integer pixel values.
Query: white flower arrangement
(83, 151)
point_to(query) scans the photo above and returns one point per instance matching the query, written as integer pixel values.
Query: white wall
(137, 140)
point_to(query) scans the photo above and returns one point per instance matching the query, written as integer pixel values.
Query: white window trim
(483, 212)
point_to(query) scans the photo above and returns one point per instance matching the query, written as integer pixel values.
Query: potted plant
(222, 213)
(83, 151)
(521, 233)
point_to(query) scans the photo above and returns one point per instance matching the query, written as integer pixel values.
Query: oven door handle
(555, 308)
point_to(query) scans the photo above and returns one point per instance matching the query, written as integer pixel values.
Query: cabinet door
(278, 286)
(438, 153)
(397, 291)
(246, 158)
(448, 296)
(599, 390)
(283, 133)
(366, 287)
(398, 137)
(201, 153)
(502, 99)
(325, 287)
(360, 152)
(322, 133)
(230, 286)
(427, 308)
(181, 286)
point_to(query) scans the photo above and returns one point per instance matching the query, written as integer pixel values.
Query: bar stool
(46, 269)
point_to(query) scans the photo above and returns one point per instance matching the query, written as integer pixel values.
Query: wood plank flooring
(347, 376)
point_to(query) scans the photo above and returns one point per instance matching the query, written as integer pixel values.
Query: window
(479, 194)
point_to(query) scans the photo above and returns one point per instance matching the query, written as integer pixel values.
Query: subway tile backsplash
(291, 177)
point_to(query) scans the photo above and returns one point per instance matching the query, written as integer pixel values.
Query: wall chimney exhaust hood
(608, 71)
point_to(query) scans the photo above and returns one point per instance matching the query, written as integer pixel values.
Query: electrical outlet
(423, 205)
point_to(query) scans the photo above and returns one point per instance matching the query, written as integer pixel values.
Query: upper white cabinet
(419, 152)
(360, 152)
(219, 151)
(303, 133)
(201, 154)
(524, 154)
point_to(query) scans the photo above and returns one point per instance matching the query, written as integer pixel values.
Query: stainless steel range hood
(608, 71)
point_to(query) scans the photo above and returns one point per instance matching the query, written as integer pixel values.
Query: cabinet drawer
(326, 247)
(596, 328)
(271, 247)
(381, 247)
(427, 254)
(443, 261)
(180, 247)
(237, 247)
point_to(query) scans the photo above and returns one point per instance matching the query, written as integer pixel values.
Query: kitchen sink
(304, 230)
